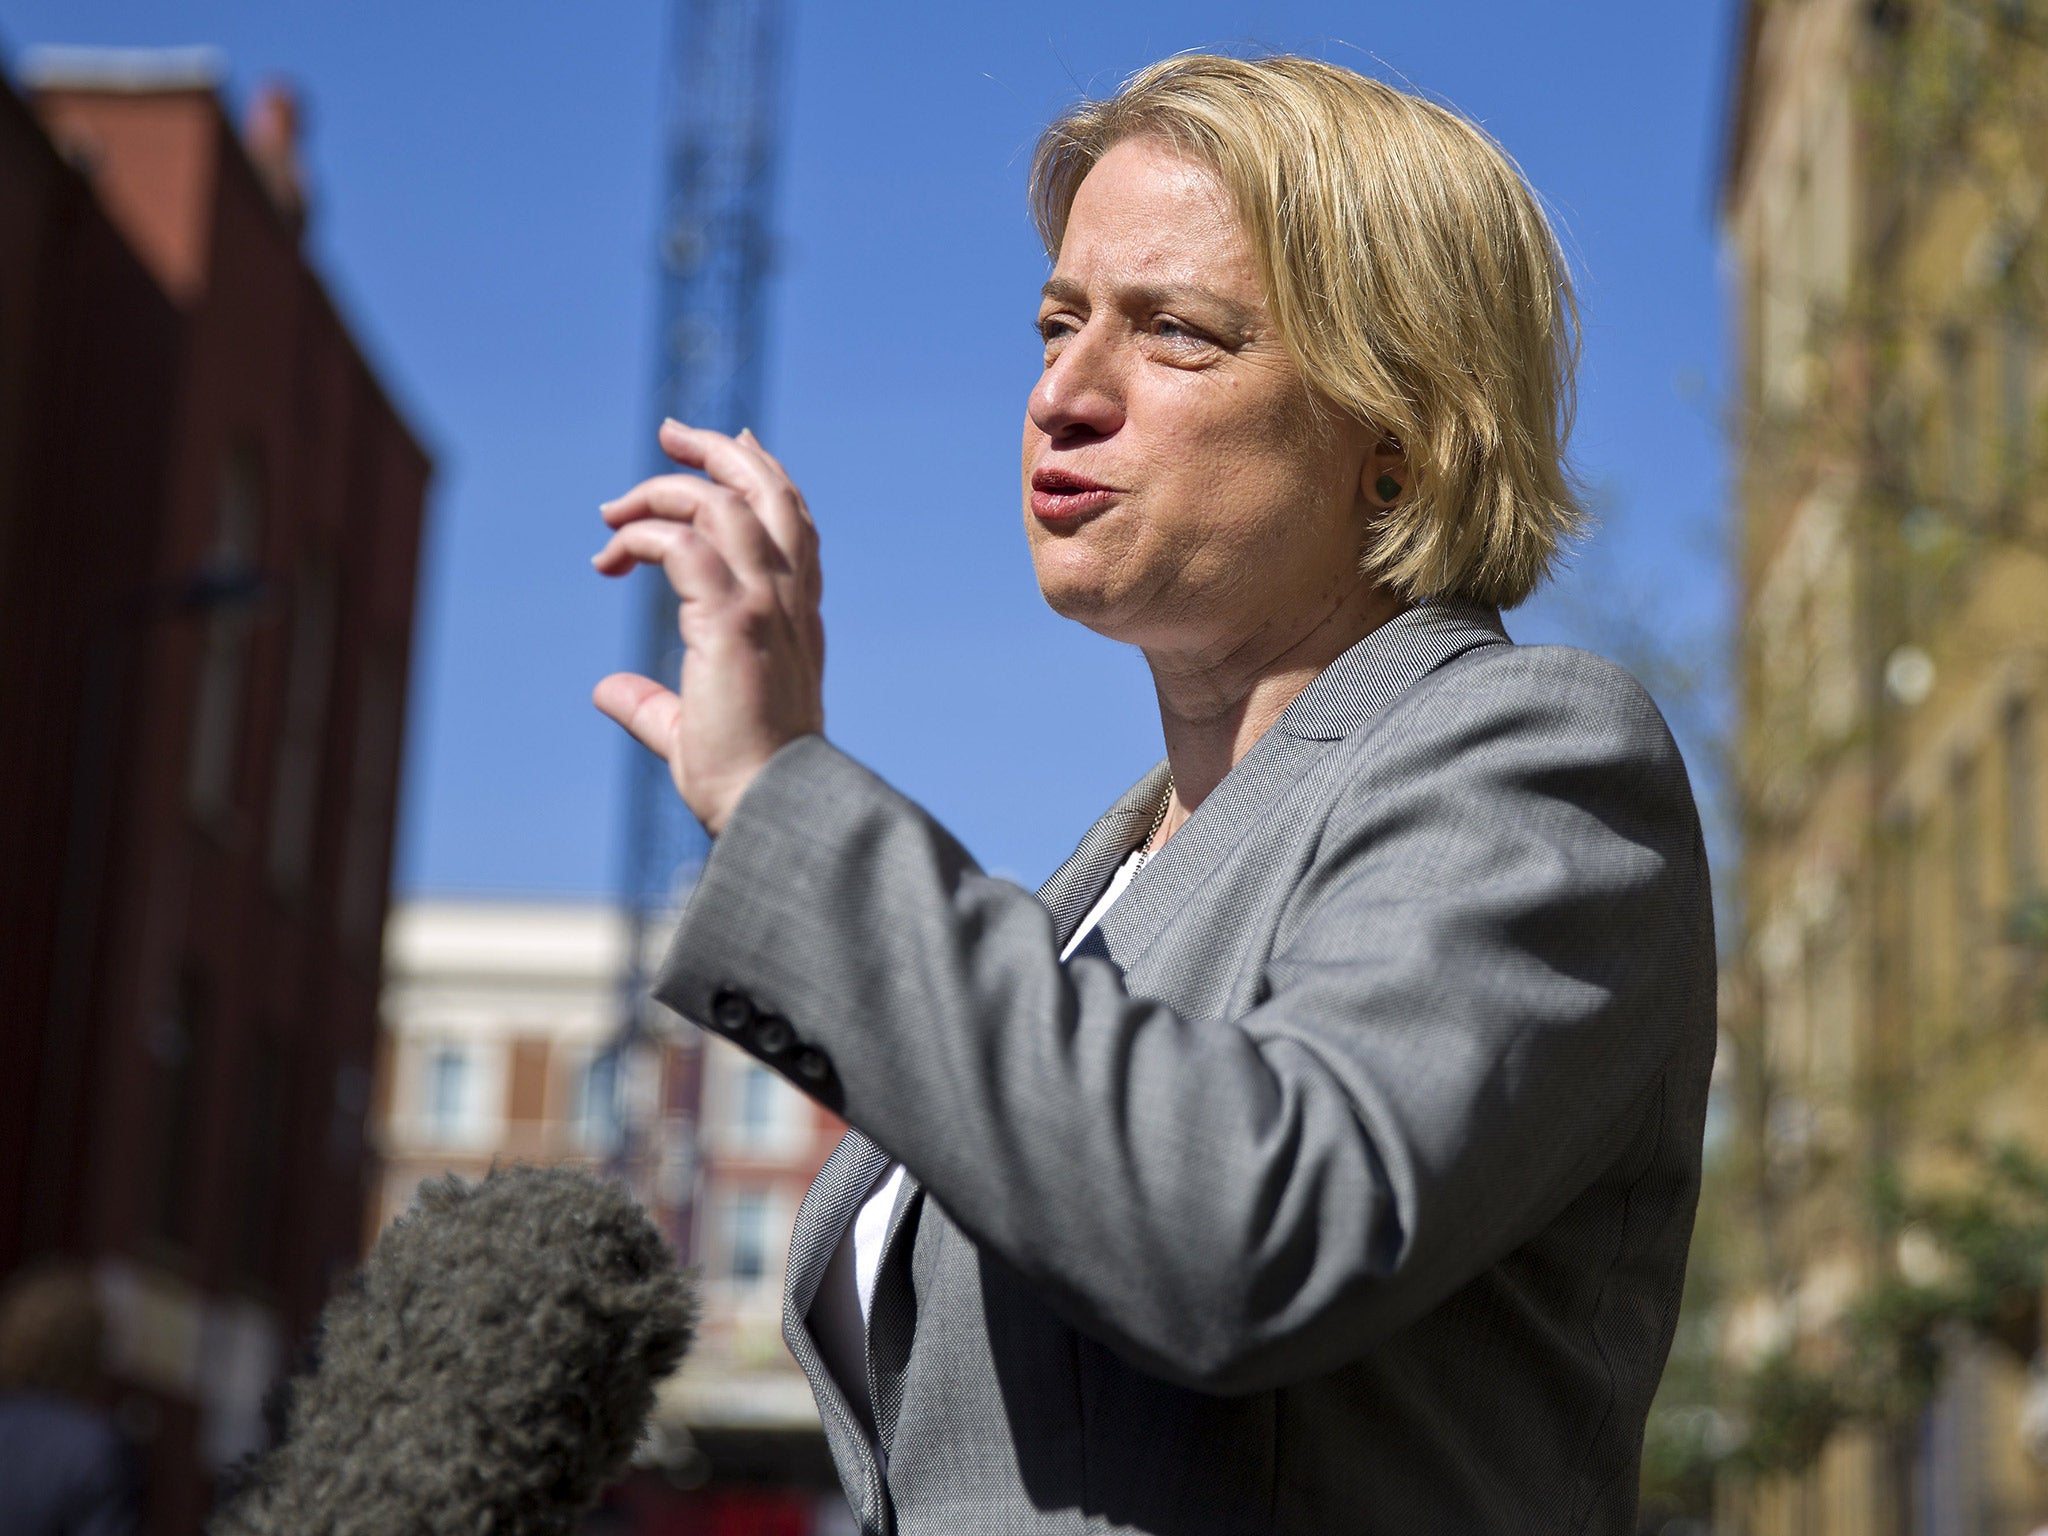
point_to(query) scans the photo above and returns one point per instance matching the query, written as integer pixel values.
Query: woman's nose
(1079, 395)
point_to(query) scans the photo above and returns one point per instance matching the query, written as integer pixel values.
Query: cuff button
(731, 1012)
(812, 1066)
(772, 1036)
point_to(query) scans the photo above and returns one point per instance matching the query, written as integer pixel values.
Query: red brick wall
(226, 1154)
(89, 356)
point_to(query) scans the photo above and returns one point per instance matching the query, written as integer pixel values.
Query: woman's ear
(1386, 472)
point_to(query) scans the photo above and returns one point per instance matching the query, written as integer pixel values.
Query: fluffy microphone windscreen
(487, 1372)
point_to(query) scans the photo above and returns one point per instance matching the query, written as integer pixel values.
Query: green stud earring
(1388, 487)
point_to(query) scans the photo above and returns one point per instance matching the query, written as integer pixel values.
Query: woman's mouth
(1059, 496)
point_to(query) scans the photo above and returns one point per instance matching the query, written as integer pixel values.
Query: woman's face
(1182, 490)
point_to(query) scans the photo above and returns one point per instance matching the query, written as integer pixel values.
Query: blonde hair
(1416, 282)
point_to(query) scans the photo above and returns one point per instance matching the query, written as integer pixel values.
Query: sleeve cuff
(776, 879)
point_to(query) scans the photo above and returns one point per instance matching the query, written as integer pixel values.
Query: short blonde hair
(1414, 277)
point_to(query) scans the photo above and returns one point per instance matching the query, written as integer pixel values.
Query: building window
(1959, 376)
(453, 1095)
(594, 1121)
(754, 1117)
(177, 1038)
(1910, 951)
(747, 1238)
(1967, 872)
(1953, 1470)
(2015, 400)
(1785, 311)
(349, 1111)
(224, 659)
(263, 1155)
(372, 782)
(2022, 874)
(447, 1088)
(296, 796)
(1833, 699)
(1831, 1008)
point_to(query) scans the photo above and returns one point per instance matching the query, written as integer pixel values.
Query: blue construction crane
(721, 98)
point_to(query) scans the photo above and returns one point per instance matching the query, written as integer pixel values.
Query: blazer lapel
(892, 1318)
(821, 1220)
(1076, 884)
(1068, 895)
(1355, 689)
(1345, 698)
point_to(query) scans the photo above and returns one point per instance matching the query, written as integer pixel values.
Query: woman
(1318, 1151)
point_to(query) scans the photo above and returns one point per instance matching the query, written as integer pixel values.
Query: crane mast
(720, 121)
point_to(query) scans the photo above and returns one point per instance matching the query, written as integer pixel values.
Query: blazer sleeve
(1480, 979)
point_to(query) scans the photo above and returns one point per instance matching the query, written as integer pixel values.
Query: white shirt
(846, 1291)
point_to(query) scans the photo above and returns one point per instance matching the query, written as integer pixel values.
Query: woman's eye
(1169, 329)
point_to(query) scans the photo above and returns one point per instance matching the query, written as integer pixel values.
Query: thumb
(646, 710)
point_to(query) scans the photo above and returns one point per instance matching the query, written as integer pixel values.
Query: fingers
(806, 528)
(749, 508)
(748, 439)
(679, 497)
(740, 550)
(727, 460)
(743, 465)
(642, 706)
(719, 513)
(695, 565)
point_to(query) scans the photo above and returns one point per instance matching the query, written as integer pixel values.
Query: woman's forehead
(1148, 178)
(1147, 215)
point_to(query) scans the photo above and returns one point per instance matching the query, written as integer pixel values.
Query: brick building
(210, 517)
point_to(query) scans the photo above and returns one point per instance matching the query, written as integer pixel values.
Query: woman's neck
(1213, 710)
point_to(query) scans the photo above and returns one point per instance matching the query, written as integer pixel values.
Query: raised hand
(741, 551)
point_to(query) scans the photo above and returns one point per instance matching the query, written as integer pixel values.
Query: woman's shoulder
(1522, 712)
(1536, 684)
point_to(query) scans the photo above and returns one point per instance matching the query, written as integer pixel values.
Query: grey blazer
(1341, 1181)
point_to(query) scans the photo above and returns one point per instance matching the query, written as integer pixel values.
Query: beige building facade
(499, 1020)
(1883, 206)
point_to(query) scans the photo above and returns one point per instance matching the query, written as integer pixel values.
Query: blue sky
(486, 182)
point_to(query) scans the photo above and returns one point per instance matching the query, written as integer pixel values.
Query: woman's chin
(1083, 601)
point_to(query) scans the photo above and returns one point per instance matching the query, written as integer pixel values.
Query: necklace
(1158, 821)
